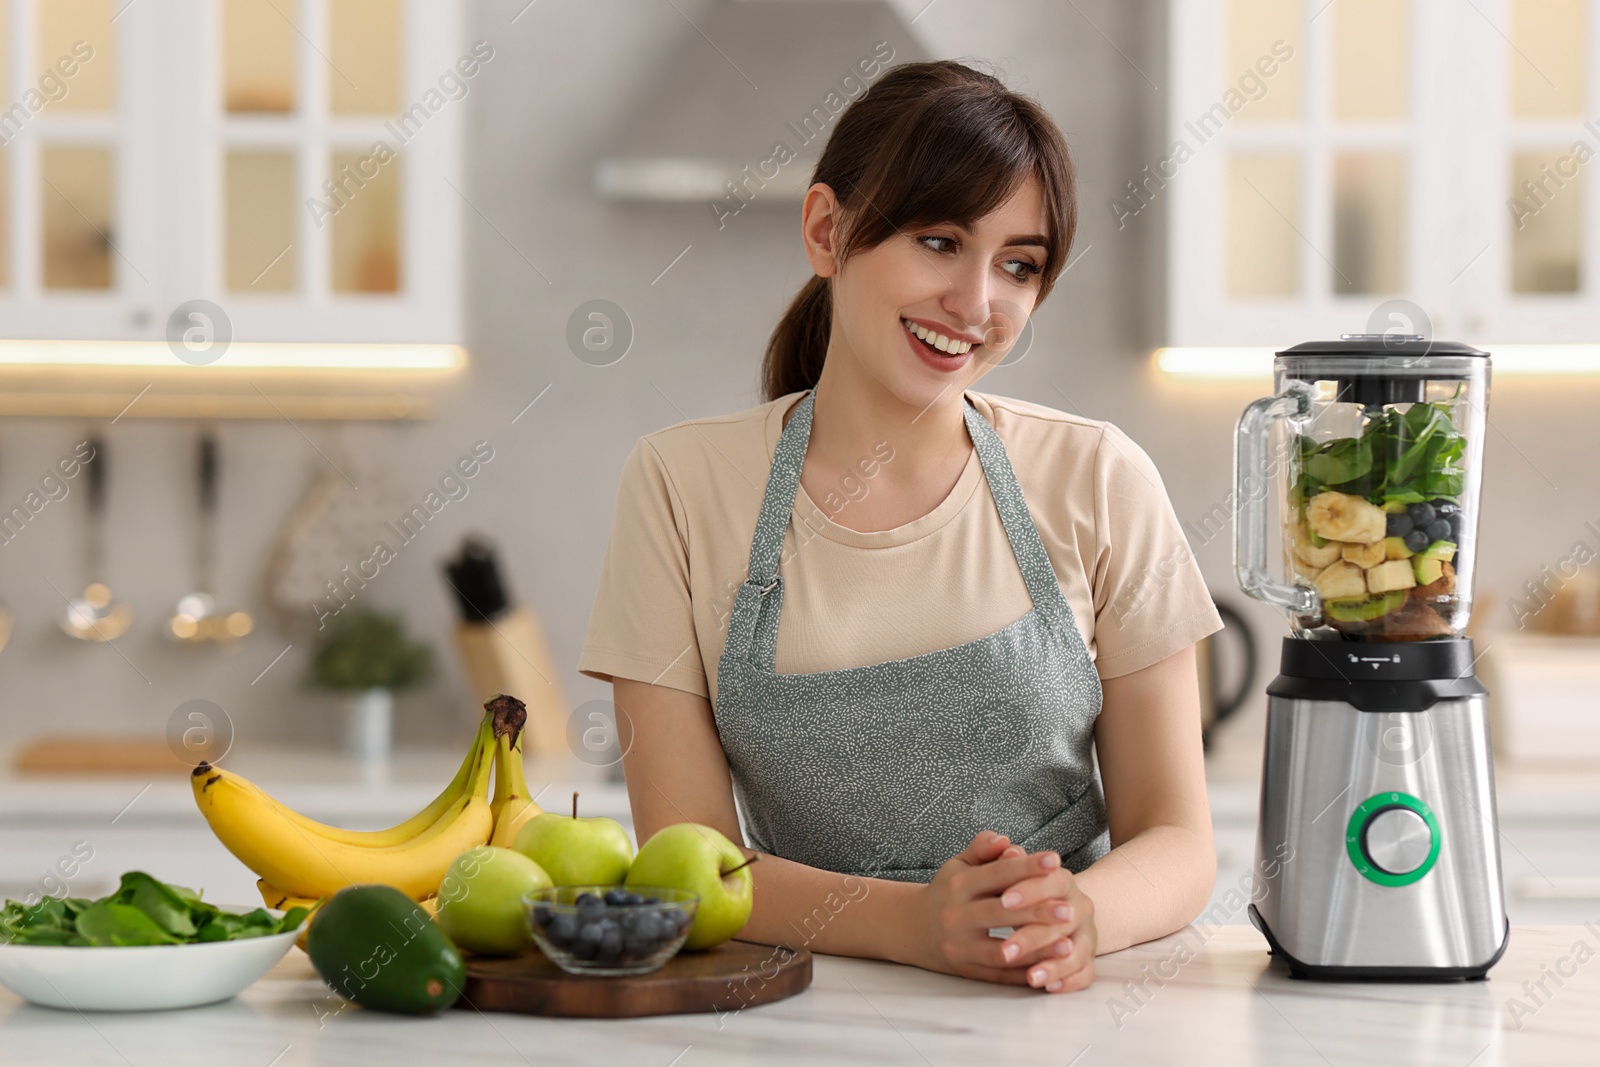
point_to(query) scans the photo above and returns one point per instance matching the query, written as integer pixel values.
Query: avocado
(1395, 548)
(374, 945)
(1428, 568)
(1364, 608)
(1443, 551)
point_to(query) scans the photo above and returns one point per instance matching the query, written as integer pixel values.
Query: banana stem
(509, 716)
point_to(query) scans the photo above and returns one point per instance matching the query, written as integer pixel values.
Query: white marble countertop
(327, 785)
(1226, 1004)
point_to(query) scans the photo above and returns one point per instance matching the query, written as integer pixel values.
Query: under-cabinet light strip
(252, 354)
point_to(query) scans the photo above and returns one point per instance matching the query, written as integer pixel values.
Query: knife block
(510, 655)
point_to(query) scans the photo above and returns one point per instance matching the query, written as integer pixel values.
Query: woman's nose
(966, 299)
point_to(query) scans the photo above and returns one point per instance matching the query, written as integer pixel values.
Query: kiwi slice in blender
(1364, 608)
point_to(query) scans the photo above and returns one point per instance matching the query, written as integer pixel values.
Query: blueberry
(650, 900)
(632, 899)
(586, 897)
(542, 914)
(1417, 540)
(1421, 514)
(615, 897)
(589, 934)
(1439, 530)
(610, 946)
(642, 924)
(563, 928)
(587, 943)
(1399, 525)
(590, 910)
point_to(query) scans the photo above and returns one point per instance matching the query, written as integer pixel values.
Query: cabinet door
(293, 162)
(329, 200)
(82, 251)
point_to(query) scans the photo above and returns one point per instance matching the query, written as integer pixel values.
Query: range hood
(746, 97)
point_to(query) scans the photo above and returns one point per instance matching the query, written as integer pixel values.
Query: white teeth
(939, 340)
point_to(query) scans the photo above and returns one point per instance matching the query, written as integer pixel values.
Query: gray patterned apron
(889, 769)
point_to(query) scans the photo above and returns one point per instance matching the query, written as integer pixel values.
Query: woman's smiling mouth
(926, 343)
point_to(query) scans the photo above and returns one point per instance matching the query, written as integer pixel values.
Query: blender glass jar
(1373, 449)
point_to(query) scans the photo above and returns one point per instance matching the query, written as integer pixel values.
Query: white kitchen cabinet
(291, 162)
(1325, 159)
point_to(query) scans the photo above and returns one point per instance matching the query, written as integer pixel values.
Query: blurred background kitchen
(308, 275)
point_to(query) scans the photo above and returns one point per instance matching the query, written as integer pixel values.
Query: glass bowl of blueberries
(609, 929)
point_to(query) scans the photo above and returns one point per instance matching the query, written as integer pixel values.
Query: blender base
(1328, 973)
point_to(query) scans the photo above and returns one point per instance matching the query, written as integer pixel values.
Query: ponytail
(799, 342)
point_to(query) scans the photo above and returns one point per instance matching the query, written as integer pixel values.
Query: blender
(1377, 846)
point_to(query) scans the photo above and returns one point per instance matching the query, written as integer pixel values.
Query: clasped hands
(993, 883)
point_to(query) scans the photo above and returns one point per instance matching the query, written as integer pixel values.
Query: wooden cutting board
(735, 974)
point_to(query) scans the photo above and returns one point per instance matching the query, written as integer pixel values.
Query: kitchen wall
(566, 74)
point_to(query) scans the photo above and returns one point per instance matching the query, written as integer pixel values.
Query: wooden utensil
(503, 646)
(734, 975)
(79, 755)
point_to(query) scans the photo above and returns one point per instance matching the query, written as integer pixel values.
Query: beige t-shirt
(686, 510)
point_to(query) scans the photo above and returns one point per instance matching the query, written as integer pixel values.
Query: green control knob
(1392, 838)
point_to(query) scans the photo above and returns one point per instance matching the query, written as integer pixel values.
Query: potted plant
(364, 656)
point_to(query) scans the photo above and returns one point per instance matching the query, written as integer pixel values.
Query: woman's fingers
(994, 878)
(985, 846)
(989, 913)
(1033, 943)
(1048, 885)
(1052, 971)
(1061, 974)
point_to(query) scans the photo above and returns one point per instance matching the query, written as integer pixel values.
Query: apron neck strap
(777, 503)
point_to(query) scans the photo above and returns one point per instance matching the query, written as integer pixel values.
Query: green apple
(576, 851)
(480, 900)
(701, 860)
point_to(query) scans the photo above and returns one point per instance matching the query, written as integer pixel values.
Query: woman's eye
(1023, 274)
(1020, 269)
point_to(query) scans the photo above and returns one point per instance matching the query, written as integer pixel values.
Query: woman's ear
(819, 229)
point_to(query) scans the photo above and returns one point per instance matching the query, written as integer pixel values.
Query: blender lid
(1383, 344)
(1376, 369)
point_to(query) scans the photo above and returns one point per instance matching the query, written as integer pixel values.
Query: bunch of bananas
(301, 861)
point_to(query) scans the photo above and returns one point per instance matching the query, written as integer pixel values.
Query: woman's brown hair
(929, 143)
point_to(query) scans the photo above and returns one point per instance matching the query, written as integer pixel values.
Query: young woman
(902, 621)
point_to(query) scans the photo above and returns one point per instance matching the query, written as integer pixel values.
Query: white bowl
(140, 977)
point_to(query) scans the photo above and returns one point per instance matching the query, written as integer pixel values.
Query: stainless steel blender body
(1377, 847)
(1381, 819)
